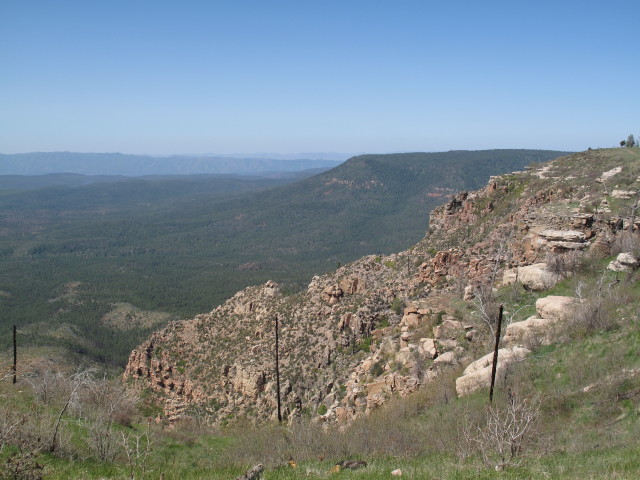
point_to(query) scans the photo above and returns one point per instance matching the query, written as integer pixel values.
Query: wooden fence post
(495, 354)
(15, 356)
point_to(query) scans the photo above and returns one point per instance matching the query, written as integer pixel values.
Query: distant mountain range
(43, 163)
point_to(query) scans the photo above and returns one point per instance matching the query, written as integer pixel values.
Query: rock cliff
(391, 324)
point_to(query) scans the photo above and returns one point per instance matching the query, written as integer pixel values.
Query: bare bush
(22, 465)
(77, 381)
(48, 386)
(595, 309)
(102, 402)
(21, 430)
(138, 447)
(487, 307)
(626, 241)
(504, 435)
(565, 264)
(10, 422)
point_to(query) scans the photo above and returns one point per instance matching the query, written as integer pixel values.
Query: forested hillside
(79, 263)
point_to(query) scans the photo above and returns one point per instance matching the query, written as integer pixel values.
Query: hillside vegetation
(181, 246)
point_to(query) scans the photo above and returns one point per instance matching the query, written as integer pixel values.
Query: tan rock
(534, 277)
(624, 262)
(411, 320)
(554, 307)
(427, 347)
(532, 329)
(624, 194)
(478, 374)
(447, 358)
(563, 235)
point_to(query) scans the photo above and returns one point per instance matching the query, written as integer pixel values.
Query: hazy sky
(213, 76)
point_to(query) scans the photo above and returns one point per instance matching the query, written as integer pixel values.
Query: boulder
(624, 262)
(554, 307)
(533, 328)
(447, 358)
(623, 194)
(427, 347)
(478, 374)
(410, 320)
(533, 277)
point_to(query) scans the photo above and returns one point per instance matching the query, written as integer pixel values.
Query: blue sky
(164, 77)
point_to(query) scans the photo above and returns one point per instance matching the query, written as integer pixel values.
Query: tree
(631, 141)
(623, 143)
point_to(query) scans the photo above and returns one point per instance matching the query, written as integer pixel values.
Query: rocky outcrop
(387, 325)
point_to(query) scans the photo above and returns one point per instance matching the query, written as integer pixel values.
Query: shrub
(565, 264)
(626, 242)
(397, 305)
(502, 437)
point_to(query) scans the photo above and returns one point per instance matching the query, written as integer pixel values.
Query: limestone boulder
(427, 347)
(623, 194)
(535, 277)
(624, 262)
(533, 329)
(478, 374)
(411, 320)
(447, 358)
(554, 307)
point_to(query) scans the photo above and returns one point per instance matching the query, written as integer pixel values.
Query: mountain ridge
(389, 325)
(40, 163)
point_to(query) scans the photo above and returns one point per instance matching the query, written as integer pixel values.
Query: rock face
(388, 325)
(478, 374)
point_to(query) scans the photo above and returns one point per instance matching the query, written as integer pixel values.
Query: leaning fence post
(495, 355)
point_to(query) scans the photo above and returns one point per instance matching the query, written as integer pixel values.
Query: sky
(192, 77)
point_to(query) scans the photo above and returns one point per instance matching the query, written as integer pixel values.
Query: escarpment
(392, 324)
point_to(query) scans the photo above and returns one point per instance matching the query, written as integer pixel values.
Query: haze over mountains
(42, 163)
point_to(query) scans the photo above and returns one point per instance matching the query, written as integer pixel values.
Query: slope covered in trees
(180, 247)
